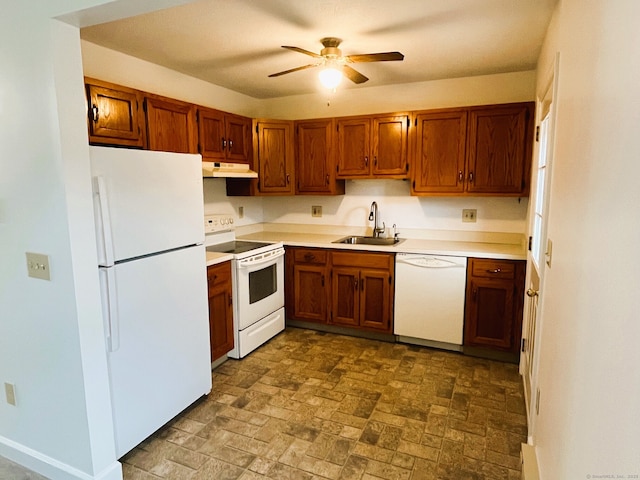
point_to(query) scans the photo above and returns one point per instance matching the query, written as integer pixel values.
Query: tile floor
(312, 405)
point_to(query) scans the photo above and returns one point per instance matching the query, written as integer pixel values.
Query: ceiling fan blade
(302, 50)
(353, 75)
(304, 67)
(375, 57)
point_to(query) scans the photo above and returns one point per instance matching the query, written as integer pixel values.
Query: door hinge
(390, 279)
(538, 133)
(530, 242)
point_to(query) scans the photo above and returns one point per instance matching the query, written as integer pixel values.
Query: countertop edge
(409, 245)
(214, 258)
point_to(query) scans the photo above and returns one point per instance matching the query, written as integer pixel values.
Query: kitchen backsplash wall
(494, 214)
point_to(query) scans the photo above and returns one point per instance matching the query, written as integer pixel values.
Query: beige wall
(589, 382)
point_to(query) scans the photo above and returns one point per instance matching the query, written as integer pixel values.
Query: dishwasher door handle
(428, 262)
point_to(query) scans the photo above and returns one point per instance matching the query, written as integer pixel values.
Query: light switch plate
(316, 210)
(10, 393)
(38, 266)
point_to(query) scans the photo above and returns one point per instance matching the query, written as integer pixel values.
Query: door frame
(529, 370)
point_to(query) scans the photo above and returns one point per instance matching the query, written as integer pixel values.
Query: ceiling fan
(331, 58)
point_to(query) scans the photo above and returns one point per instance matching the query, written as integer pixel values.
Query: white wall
(589, 380)
(51, 341)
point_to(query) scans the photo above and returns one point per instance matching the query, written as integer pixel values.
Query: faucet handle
(395, 232)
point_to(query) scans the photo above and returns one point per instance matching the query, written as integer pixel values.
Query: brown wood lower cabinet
(342, 288)
(220, 309)
(494, 302)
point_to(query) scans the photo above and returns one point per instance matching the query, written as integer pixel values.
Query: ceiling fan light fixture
(330, 77)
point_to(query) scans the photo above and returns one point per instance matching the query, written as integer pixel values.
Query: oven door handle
(266, 257)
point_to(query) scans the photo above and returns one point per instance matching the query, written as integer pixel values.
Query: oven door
(259, 287)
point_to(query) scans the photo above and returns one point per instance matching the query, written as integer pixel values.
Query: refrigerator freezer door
(154, 201)
(162, 364)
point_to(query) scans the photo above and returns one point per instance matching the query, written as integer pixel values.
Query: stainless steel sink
(361, 240)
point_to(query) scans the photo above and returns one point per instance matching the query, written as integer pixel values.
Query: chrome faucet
(373, 216)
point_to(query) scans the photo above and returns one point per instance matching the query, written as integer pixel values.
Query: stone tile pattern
(311, 405)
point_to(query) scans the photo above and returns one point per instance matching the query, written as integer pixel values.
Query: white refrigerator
(152, 266)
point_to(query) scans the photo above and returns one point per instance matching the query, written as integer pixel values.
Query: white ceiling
(237, 43)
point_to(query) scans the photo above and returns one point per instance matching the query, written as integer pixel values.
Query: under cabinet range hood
(227, 170)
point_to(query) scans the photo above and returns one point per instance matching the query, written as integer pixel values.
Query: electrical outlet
(469, 215)
(10, 393)
(240, 212)
(316, 211)
(38, 266)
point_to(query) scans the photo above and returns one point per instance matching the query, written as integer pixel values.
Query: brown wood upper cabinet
(223, 137)
(273, 150)
(114, 114)
(315, 158)
(171, 125)
(373, 146)
(482, 150)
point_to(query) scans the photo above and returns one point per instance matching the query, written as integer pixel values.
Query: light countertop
(505, 251)
(213, 258)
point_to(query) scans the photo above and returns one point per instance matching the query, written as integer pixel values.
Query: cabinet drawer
(219, 274)
(365, 260)
(488, 268)
(310, 255)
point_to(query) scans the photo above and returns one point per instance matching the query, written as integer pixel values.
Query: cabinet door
(238, 138)
(220, 310)
(211, 135)
(375, 299)
(171, 125)
(390, 143)
(499, 149)
(314, 159)
(310, 300)
(114, 115)
(274, 148)
(489, 316)
(353, 147)
(345, 296)
(439, 157)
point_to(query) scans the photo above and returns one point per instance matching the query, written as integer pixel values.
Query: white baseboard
(50, 467)
(529, 462)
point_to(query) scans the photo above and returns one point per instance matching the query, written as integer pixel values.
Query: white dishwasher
(429, 299)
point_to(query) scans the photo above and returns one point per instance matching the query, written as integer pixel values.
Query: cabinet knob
(470, 177)
(375, 160)
(288, 179)
(460, 176)
(230, 144)
(366, 161)
(224, 143)
(495, 270)
(95, 113)
(327, 179)
(309, 256)
(355, 284)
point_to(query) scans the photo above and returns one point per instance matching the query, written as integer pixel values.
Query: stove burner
(236, 246)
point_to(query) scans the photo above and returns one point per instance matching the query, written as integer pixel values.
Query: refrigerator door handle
(105, 223)
(110, 308)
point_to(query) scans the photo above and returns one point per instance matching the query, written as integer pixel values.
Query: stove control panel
(218, 223)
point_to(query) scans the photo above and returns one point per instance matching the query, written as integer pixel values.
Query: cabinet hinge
(257, 129)
(530, 242)
(415, 123)
(144, 106)
(407, 167)
(408, 122)
(523, 345)
(337, 168)
(538, 133)
(390, 279)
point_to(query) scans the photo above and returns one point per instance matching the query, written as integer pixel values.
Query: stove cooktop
(236, 246)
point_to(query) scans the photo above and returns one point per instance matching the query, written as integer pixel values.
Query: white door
(539, 256)
(145, 202)
(157, 323)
